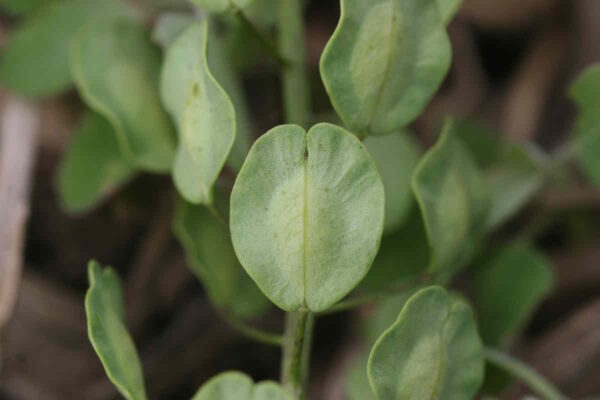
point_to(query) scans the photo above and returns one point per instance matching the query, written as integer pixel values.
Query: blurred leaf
(433, 351)
(203, 112)
(451, 194)
(396, 157)
(220, 6)
(307, 214)
(512, 173)
(108, 334)
(22, 6)
(508, 288)
(402, 256)
(238, 386)
(35, 61)
(586, 93)
(116, 70)
(357, 382)
(169, 26)
(92, 167)
(448, 9)
(384, 62)
(211, 258)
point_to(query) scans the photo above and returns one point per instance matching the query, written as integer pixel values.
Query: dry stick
(19, 131)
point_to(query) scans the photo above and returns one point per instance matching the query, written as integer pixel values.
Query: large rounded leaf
(307, 215)
(238, 386)
(116, 69)
(433, 351)
(203, 112)
(384, 62)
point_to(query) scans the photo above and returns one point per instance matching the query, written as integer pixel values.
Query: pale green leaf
(116, 69)
(108, 334)
(92, 167)
(451, 194)
(384, 62)
(433, 351)
(508, 288)
(396, 157)
(220, 6)
(357, 382)
(169, 26)
(307, 215)
(203, 112)
(586, 93)
(238, 386)
(35, 61)
(448, 9)
(210, 255)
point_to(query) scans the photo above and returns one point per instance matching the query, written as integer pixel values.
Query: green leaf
(433, 351)
(307, 215)
(585, 92)
(92, 167)
(35, 61)
(402, 257)
(448, 9)
(203, 112)
(396, 157)
(357, 382)
(238, 386)
(210, 255)
(220, 6)
(22, 6)
(453, 200)
(169, 26)
(512, 173)
(116, 69)
(108, 334)
(518, 270)
(384, 62)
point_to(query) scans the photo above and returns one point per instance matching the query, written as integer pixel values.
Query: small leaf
(585, 93)
(432, 351)
(452, 197)
(396, 157)
(108, 334)
(203, 112)
(169, 26)
(116, 70)
(384, 62)
(35, 61)
(448, 9)
(220, 6)
(92, 167)
(307, 215)
(238, 386)
(210, 255)
(521, 271)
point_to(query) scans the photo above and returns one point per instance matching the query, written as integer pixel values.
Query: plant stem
(525, 373)
(296, 352)
(296, 96)
(258, 335)
(262, 39)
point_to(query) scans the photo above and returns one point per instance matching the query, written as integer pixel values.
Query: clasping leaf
(237, 386)
(307, 215)
(433, 351)
(384, 62)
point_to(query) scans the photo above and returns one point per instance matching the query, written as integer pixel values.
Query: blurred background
(513, 63)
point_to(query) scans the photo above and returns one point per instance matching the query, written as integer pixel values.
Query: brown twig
(18, 149)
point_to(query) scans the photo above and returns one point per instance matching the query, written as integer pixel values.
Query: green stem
(296, 95)
(256, 334)
(524, 373)
(296, 352)
(262, 39)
